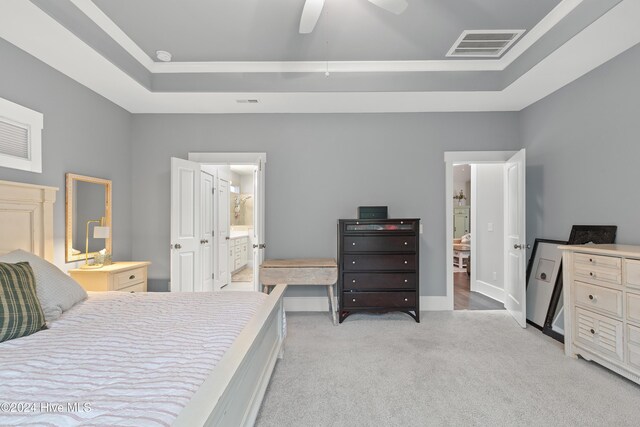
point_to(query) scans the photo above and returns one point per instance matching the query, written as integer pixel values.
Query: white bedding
(133, 359)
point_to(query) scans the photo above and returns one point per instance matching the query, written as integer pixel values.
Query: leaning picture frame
(542, 271)
(580, 235)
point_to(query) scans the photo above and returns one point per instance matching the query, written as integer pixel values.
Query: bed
(152, 359)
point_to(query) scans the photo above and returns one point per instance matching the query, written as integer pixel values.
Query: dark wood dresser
(378, 266)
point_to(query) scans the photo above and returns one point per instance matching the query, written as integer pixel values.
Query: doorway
(207, 249)
(241, 208)
(486, 264)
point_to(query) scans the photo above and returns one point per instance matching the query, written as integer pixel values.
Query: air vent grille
(484, 43)
(14, 140)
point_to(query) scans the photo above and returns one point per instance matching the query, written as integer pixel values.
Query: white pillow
(56, 291)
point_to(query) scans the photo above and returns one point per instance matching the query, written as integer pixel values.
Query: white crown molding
(108, 26)
(96, 14)
(26, 26)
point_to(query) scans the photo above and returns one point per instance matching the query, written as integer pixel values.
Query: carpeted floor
(455, 368)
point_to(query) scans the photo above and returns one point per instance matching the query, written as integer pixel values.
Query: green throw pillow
(20, 310)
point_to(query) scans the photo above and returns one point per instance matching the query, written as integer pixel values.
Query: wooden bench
(303, 272)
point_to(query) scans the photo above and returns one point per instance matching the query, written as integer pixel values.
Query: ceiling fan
(312, 9)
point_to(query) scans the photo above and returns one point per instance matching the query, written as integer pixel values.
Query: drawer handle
(354, 280)
(591, 274)
(133, 276)
(406, 262)
(591, 297)
(405, 243)
(353, 244)
(354, 300)
(592, 331)
(405, 280)
(590, 259)
(406, 299)
(353, 262)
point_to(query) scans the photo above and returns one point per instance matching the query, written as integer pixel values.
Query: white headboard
(26, 218)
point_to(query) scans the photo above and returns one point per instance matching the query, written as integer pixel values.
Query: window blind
(14, 140)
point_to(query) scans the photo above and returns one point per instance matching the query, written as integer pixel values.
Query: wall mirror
(88, 205)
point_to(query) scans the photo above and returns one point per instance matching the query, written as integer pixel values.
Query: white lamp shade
(101, 232)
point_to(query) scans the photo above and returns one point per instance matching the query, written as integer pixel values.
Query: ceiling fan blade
(393, 6)
(310, 14)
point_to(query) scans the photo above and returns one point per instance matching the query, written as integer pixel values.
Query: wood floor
(464, 299)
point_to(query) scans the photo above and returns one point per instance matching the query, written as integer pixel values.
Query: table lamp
(99, 232)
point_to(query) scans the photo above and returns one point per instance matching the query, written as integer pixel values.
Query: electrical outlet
(495, 276)
(490, 226)
(421, 229)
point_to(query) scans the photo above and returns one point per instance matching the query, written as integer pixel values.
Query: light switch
(490, 226)
(421, 230)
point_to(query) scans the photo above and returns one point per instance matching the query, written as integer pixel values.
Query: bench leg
(332, 307)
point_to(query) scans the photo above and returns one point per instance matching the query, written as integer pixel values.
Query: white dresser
(602, 300)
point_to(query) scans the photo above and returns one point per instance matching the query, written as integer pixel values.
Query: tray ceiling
(348, 30)
(106, 46)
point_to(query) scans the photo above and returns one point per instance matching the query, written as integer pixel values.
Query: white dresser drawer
(139, 287)
(602, 262)
(598, 276)
(633, 347)
(127, 278)
(632, 267)
(606, 300)
(633, 307)
(598, 333)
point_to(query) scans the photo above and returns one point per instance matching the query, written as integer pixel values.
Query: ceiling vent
(247, 101)
(484, 43)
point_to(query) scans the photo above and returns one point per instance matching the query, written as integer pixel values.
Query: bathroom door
(259, 243)
(206, 232)
(185, 226)
(224, 226)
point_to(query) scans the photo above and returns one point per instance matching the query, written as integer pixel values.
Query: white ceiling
(93, 50)
(243, 169)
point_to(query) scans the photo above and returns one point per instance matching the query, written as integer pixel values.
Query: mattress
(120, 358)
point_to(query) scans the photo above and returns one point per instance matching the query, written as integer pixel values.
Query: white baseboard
(306, 304)
(492, 291)
(292, 304)
(442, 303)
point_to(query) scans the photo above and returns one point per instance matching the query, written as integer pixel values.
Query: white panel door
(224, 227)
(206, 232)
(259, 243)
(515, 239)
(185, 225)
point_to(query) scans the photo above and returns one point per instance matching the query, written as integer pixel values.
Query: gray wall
(319, 168)
(583, 149)
(83, 133)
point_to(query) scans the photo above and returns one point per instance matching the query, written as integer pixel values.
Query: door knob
(517, 246)
(177, 246)
(262, 246)
(226, 238)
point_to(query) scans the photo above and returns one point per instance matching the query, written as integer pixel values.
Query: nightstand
(119, 276)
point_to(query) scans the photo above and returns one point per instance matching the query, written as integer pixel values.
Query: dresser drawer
(381, 226)
(633, 307)
(632, 267)
(379, 299)
(379, 243)
(374, 281)
(598, 276)
(608, 301)
(633, 346)
(599, 261)
(379, 262)
(139, 287)
(127, 278)
(599, 333)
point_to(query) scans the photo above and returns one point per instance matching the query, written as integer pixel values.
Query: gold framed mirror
(88, 205)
